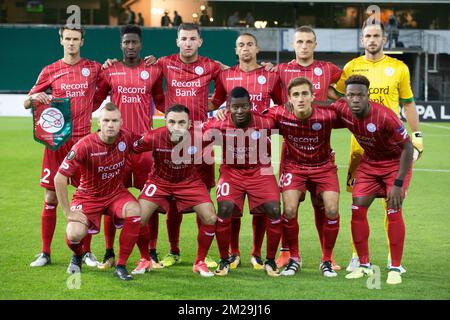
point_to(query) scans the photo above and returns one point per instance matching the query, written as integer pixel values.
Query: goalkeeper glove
(417, 141)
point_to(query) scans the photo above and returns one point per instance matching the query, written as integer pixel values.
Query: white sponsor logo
(173, 67)
(51, 120)
(60, 75)
(318, 71)
(145, 75)
(192, 150)
(122, 146)
(316, 126)
(292, 124)
(262, 79)
(371, 127)
(97, 154)
(199, 70)
(232, 79)
(85, 72)
(117, 73)
(389, 71)
(255, 135)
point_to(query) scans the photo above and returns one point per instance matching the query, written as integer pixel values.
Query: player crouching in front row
(100, 157)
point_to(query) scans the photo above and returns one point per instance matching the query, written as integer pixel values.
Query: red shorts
(187, 194)
(207, 174)
(377, 177)
(93, 208)
(51, 162)
(234, 184)
(315, 180)
(137, 168)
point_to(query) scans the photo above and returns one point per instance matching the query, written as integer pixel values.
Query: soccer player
(187, 76)
(307, 165)
(262, 86)
(74, 77)
(323, 76)
(100, 157)
(243, 172)
(175, 178)
(130, 83)
(384, 171)
(389, 85)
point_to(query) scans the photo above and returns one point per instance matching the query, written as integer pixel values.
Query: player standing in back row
(74, 77)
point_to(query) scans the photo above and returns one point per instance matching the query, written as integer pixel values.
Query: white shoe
(360, 272)
(327, 269)
(90, 259)
(292, 268)
(394, 277)
(389, 267)
(354, 263)
(42, 259)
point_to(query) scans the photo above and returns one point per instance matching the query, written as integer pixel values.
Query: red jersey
(78, 82)
(131, 91)
(187, 84)
(171, 162)
(243, 147)
(307, 141)
(101, 165)
(321, 73)
(380, 133)
(262, 85)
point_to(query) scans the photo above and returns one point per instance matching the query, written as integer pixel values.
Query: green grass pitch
(426, 254)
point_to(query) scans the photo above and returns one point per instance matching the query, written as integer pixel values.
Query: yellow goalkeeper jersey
(389, 80)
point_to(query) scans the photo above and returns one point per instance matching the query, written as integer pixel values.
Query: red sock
(320, 220)
(360, 232)
(259, 229)
(128, 238)
(235, 230)
(110, 232)
(153, 225)
(223, 236)
(330, 233)
(86, 243)
(76, 247)
(173, 222)
(290, 233)
(204, 240)
(396, 235)
(274, 231)
(48, 224)
(143, 241)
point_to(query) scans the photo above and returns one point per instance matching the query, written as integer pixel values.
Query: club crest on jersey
(122, 146)
(51, 120)
(255, 135)
(199, 70)
(389, 71)
(262, 79)
(371, 127)
(316, 126)
(318, 71)
(71, 155)
(85, 72)
(192, 150)
(144, 75)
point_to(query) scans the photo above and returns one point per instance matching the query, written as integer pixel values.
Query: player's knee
(290, 212)
(225, 209)
(272, 210)
(210, 219)
(132, 209)
(75, 233)
(50, 196)
(332, 213)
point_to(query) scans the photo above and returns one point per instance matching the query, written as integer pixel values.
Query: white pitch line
(434, 126)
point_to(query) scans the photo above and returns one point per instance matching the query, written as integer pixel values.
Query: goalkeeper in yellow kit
(389, 84)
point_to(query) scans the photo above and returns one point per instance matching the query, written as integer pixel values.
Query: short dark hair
(71, 27)
(130, 28)
(250, 35)
(358, 79)
(178, 108)
(111, 107)
(306, 29)
(373, 23)
(188, 26)
(298, 82)
(238, 92)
